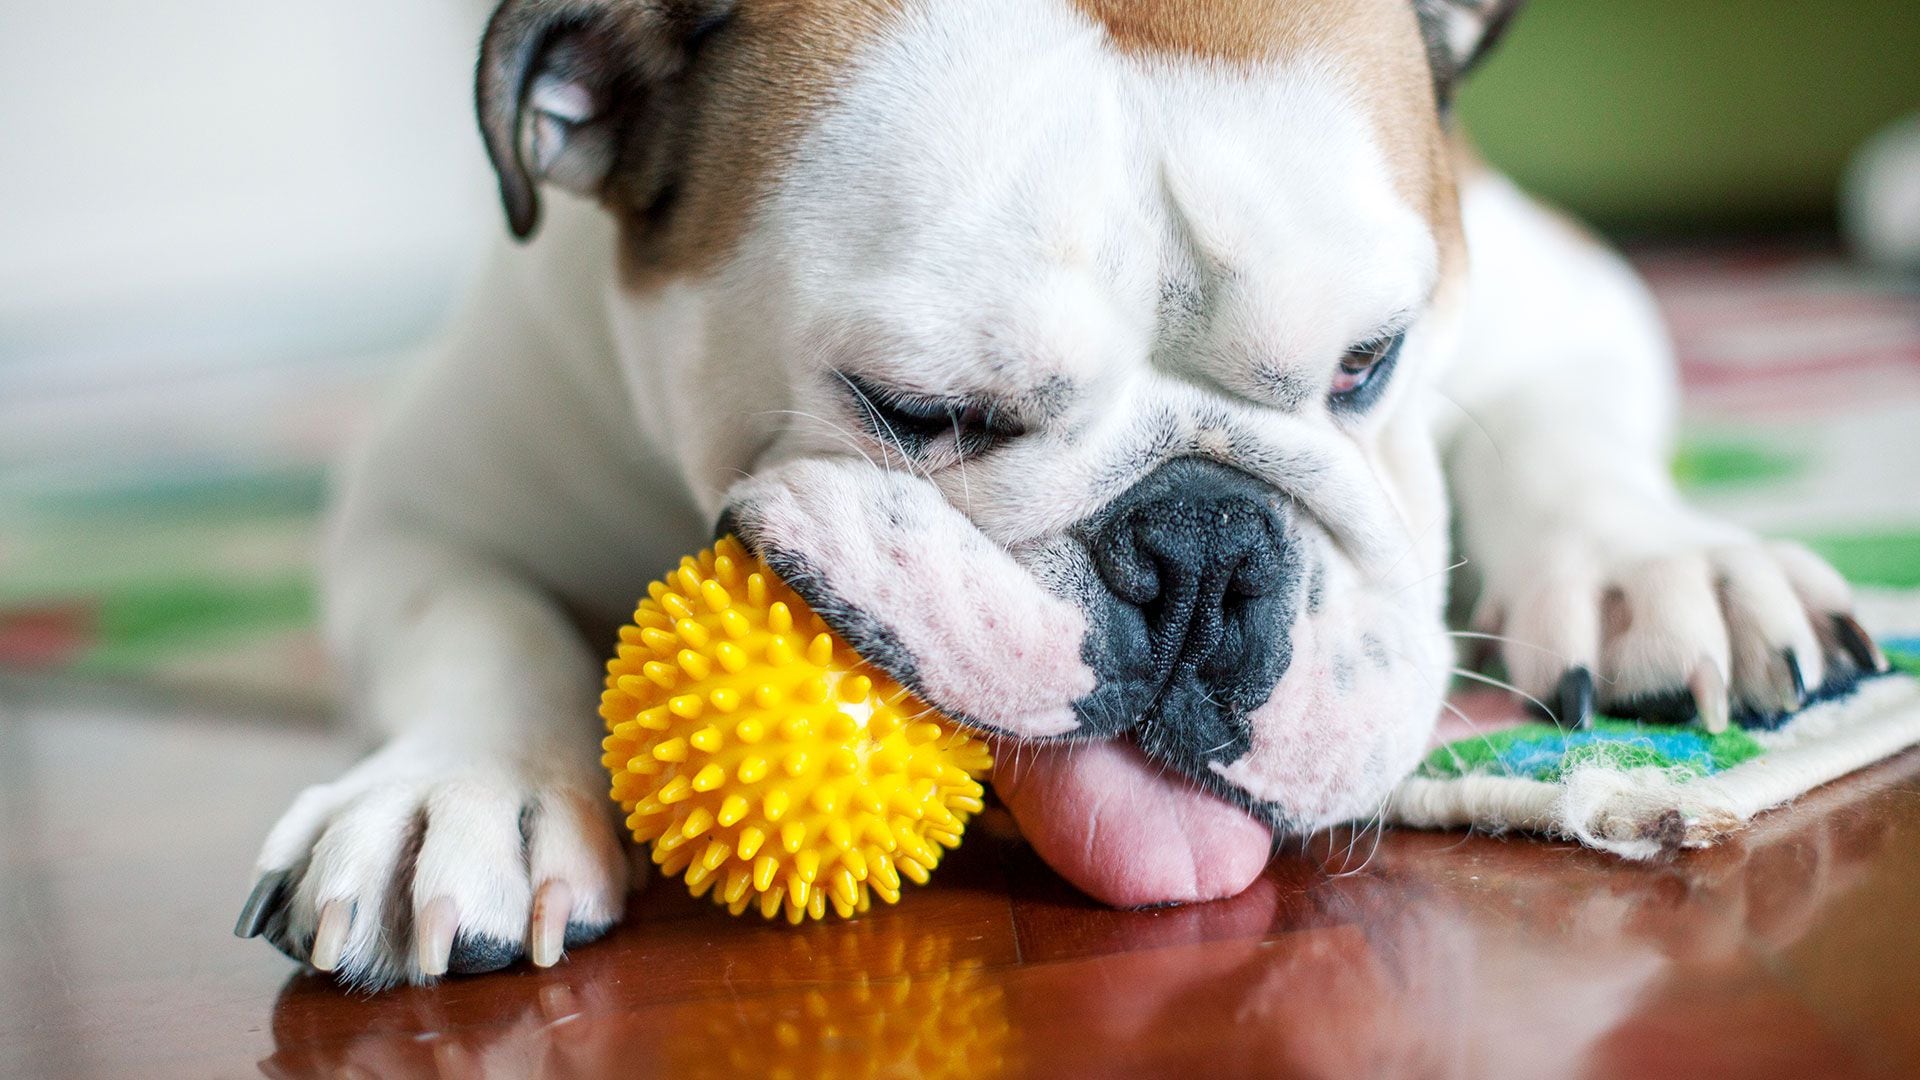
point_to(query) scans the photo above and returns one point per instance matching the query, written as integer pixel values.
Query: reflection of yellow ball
(912, 997)
(762, 756)
(949, 1023)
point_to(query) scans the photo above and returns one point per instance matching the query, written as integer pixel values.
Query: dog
(1132, 379)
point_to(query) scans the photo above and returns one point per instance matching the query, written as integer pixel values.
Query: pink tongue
(1126, 831)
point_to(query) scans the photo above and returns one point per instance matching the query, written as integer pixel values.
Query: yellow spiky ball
(761, 756)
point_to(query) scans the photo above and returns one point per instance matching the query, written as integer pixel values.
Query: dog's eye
(1363, 372)
(919, 425)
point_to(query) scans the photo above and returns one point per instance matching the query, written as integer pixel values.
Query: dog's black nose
(1196, 556)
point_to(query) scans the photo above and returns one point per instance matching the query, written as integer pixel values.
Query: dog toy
(761, 756)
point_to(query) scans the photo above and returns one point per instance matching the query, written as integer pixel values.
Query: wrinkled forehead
(1372, 48)
(801, 53)
(1052, 166)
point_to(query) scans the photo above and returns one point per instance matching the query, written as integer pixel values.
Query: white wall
(185, 182)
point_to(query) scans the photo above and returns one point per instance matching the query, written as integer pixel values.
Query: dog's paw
(411, 866)
(1709, 623)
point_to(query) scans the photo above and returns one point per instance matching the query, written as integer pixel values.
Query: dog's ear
(1459, 33)
(564, 86)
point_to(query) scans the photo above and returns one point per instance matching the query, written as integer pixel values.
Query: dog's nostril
(1258, 574)
(1130, 567)
(1193, 546)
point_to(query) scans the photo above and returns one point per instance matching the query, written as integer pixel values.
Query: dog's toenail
(330, 935)
(1709, 689)
(261, 903)
(1574, 699)
(1796, 679)
(1859, 645)
(433, 931)
(552, 908)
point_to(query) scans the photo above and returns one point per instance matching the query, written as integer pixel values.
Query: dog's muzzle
(1200, 576)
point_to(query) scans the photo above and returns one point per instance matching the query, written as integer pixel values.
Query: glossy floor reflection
(1791, 953)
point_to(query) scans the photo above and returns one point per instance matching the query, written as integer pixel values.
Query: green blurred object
(144, 625)
(1701, 463)
(1656, 114)
(1888, 558)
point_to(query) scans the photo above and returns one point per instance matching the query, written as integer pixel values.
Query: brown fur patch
(753, 92)
(1376, 42)
(761, 80)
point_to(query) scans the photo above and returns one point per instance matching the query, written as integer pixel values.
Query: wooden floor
(125, 835)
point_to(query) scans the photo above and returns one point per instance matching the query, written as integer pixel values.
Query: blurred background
(1690, 116)
(225, 225)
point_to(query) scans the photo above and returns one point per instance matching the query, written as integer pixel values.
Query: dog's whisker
(1472, 726)
(1346, 855)
(1478, 733)
(1562, 657)
(1413, 544)
(1375, 824)
(1347, 869)
(1482, 636)
(1475, 421)
(1428, 577)
(846, 436)
(893, 437)
(1379, 835)
(1446, 704)
(960, 462)
(1491, 681)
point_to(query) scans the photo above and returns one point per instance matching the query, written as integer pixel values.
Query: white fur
(1559, 421)
(997, 203)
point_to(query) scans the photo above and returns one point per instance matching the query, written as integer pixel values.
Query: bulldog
(1132, 379)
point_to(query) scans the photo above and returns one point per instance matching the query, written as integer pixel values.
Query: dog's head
(1075, 358)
